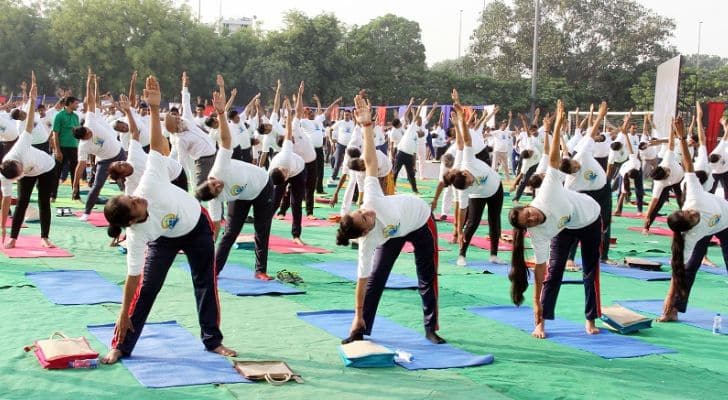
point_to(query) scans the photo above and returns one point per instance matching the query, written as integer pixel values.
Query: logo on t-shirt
(590, 175)
(480, 180)
(237, 189)
(169, 221)
(98, 141)
(390, 230)
(564, 220)
(713, 220)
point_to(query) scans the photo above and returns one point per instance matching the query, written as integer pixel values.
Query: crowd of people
(272, 159)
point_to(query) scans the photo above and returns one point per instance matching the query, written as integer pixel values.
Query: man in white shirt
(503, 142)
(313, 126)
(287, 170)
(342, 131)
(193, 142)
(98, 139)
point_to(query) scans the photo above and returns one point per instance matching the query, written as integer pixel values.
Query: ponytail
(114, 231)
(518, 275)
(678, 223)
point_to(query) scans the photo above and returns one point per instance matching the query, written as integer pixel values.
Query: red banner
(712, 128)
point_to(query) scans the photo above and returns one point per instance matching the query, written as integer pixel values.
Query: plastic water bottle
(717, 322)
(89, 363)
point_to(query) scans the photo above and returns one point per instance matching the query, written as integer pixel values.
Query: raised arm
(32, 96)
(229, 103)
(125, 107)
(363, 115)
(679, 131)
(90, 92)
(218, 101)
(431, 113)
(186, 98)
(277, 98)
(132, 90)
(289, 120)
(299, 101)
(601, 114)
(699, 122)
(627, 117)
(330, 107)
(554, 153)
(153, 97)
(405, 117)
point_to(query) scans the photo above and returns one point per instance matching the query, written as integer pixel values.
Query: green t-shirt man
(63, 125)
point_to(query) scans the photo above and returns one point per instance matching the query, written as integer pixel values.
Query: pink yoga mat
(309, 222)
(96, 219)
(634, 215)
(408, 248)
(483, 243)
(653, 230)
(29, 247)
(284, 246)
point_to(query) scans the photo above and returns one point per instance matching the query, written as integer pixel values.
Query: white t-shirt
(503, 140)
(476, 136)
(395, 135)
(702, 164)
(384, 164)
(485, 181)
(713, 213)
(8, 128)
(602, 149)
(286, 158)
(408, 143)
(676, 174)
(632, 162)
(138, 160)
(314, 129)
(396, 216)
(649, 153)
(574, 140)
(343, 130)
(563, 208)
(722, 165)
(618, 156)
(102, 144)
(172, 212)
(379, 138)
(35, 162)
(243, 181)
(301, 143)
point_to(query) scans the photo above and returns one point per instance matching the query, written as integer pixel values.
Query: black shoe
(354, 336)
(434, 338)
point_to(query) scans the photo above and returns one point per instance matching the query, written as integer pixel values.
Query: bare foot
(611, 262)
(112, 357)
(454, 239)
(311, 217)
(591, 328)
(224, 351)
(298, 241)
(279, 216)
(668, 316)
(539, 332)
(44, 242)
(645, 232)
(10, 244)
(706, 261)
(617, 214)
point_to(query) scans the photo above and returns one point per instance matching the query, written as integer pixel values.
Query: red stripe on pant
(432, 226)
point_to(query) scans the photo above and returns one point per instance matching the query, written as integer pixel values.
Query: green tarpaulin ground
(267, 328)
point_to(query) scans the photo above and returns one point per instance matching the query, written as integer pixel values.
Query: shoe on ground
(461, 262)
(84, 217)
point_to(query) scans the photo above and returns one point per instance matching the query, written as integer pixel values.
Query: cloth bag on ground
(59, 350)
(274, 372)
(366, 354)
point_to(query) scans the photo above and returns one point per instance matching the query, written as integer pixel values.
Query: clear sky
(440, 21)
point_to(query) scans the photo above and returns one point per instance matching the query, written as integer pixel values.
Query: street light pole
(460, 32)
(534, 62)
(697, 61)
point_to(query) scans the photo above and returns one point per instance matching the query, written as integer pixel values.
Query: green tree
(25, 39)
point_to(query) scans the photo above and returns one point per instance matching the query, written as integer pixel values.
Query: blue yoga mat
(75, 287)
(168, 355)
(347, 270)
(240, 281)
(568, 333)
(389, 334)
(697, 317)
(635, 273)
(503, 269)
(704, 268)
